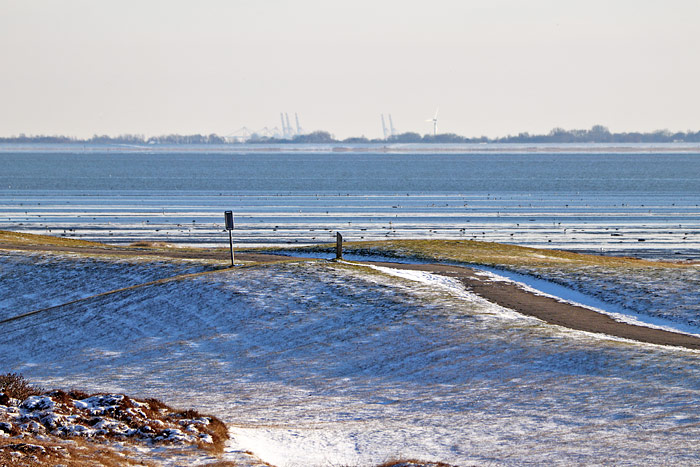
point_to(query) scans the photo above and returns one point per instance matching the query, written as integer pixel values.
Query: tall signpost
(228, 215)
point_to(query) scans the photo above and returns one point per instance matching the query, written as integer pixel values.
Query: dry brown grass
(144, 244)
(216, 429)
(413, 463)
(33, 239)
(74, 453)
(59, 245)
(492, 254)
(155, 406)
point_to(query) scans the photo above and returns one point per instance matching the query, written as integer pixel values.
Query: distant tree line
(597, 134)
(121, 139)
(317, 137)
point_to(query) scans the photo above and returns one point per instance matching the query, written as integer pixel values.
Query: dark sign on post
(229, 220)
(228, 216)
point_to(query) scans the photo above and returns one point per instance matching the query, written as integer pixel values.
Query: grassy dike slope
(490, 254)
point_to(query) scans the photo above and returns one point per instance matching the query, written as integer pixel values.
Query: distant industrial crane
(285, 132)
(239, 136)
(386, 136)
(288, 130)
(391, 126)
(273, 132)
(434, 120)
(289, 127)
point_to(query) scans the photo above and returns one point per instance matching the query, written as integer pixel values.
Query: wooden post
(338, 246)
(230, 241)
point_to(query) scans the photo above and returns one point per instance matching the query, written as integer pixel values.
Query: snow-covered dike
(33, 281)
(334, 364)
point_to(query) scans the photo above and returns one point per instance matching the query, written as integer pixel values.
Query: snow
(453, 287)
(32, 281)
(331, 364)
(38, 403)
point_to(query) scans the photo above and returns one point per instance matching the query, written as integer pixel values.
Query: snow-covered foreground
(332, 364)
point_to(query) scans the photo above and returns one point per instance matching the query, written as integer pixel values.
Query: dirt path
(509, 295)
(505, 294)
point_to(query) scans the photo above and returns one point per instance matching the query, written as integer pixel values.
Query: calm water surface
(640, 202)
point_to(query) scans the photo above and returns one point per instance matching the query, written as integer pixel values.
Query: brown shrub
(218, 431)
(156, 405)
(189, 413)
(60, 396)
(154, 408)
(77, 394)
(413, 463)
(14, 385)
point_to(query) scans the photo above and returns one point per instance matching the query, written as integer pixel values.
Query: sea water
(637, 200)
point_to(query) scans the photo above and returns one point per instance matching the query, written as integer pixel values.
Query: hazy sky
(493, 67)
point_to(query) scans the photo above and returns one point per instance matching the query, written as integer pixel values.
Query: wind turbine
(434, 120)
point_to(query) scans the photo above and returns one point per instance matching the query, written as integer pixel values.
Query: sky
(492, 67)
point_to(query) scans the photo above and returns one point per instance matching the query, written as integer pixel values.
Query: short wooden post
(338, 246)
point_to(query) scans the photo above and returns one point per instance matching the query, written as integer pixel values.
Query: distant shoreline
(363, 148)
